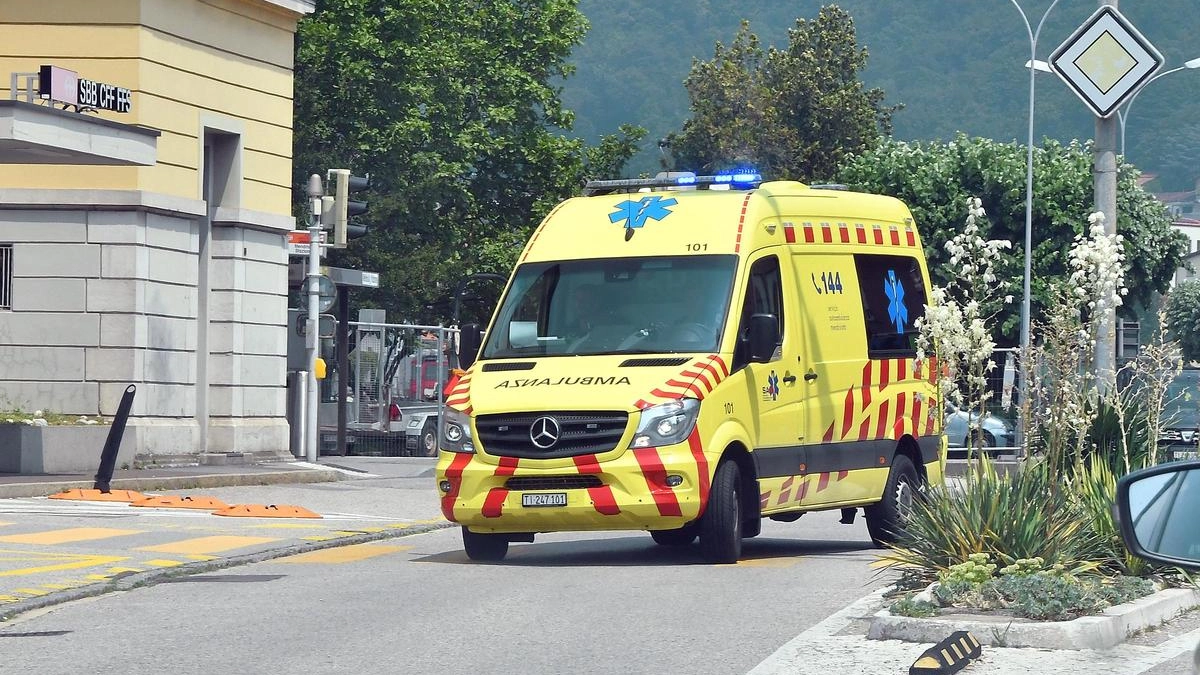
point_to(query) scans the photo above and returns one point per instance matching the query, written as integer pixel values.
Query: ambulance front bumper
(632, 491)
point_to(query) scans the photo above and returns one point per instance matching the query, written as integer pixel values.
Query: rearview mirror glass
(1158, 509)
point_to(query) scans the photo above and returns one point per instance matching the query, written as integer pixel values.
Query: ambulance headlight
(666, 424)
(456, 434)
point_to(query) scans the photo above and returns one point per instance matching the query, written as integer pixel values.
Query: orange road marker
(267, 511)
(176, 502)
(90, 495)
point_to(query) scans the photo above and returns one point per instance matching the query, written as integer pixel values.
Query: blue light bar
(747, 178)
(686, 180)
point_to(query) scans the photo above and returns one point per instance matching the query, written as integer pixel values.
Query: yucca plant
(1094, 487)
(1008, 517)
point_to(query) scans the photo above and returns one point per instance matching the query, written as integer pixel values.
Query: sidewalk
(54, 551)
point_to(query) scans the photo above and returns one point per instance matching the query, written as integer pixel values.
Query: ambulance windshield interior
(614, 306)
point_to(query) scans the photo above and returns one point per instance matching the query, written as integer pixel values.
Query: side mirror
(470, 339)
(764, 337)
(1157, 509)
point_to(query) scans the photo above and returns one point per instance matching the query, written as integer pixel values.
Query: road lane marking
(65, 562)
(205, 545)
(159, 562)
(67, 536)
(343, 554)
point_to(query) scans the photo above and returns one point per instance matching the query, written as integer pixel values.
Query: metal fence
(397, 373)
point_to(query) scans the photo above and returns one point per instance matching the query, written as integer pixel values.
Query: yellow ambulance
(687, 355)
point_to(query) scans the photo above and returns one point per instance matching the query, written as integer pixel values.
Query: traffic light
(344, 208)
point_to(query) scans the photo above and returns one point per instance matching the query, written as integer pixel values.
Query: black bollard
(108, 458)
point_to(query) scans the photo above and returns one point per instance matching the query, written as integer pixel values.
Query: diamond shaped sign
(1105, 61)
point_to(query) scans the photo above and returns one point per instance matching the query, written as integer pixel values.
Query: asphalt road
(604, 603)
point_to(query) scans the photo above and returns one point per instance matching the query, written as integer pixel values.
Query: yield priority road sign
(1105, 61)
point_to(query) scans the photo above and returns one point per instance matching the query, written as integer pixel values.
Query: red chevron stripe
(666, 394)
(883, 374)
(803, 492)
(864, 429)
(901, 370)
(789, 233)
(881, 428)
(826, 233)
(842, 475)
(844, 231)
(696, 375)
(901, 412)
(764, 500)
(701, 466)
(454, 477)
(493, 504)
(720, 362)
(642, 404)
(507, 466)
(823, 481)
(785, 491)
(828, 433)
(656, 479)
(912, 237)
(808, 233)
(916, 416)
(603, 499)
(895, 236)
(587, 464)
(878, 236)
(848, 412)
(862, 233)
(690, 386)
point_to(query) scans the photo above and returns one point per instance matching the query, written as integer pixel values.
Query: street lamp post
(1123, 115)
(1033, 34)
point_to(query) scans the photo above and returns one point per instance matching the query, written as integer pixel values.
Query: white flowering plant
(956, 323)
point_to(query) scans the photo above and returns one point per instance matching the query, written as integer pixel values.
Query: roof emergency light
(742, 180)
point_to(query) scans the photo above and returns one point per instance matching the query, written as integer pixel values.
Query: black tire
(429, 438)
(751, 526)
(682, 536)
(485, 547)
(721, 524)
(885, 519)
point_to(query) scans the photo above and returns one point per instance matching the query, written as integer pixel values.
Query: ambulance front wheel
(886, 519)
(721, 524)
(484, 547)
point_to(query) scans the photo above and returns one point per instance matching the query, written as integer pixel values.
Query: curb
(152, 577)
(157, 483)
(1101, 631)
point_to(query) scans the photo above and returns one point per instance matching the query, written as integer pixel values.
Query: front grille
(552, 482)
(580, 433)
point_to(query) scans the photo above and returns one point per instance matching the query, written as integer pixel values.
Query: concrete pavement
(53, 551)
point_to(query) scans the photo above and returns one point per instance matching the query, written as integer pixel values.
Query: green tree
(447, 103)
(936, 179)
(792, 113)
(1183, 317)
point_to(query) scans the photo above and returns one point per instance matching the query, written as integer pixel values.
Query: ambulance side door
(772, 388)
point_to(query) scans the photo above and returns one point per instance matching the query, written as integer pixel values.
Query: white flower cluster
(1098, 267)
(955, 325)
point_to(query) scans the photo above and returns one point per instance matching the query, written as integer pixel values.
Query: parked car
(1180, 416)
(994, 432)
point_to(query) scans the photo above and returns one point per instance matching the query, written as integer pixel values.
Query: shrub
(907, 606)
(1048, 597)
(1008, 518)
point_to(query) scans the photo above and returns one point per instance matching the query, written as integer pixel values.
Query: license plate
(1181, 455)
(544, 499)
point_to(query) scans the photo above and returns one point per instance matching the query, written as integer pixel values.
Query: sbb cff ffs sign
(65, 86)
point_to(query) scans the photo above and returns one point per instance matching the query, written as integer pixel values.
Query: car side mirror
(764, 337)
(470, 339)
(1157, 509)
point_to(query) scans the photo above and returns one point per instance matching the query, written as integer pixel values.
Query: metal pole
(1104, 182)
(1023, 427)
(342, 347)
(315, 192)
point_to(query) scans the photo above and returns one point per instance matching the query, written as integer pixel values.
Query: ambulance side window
(764, 295)
(893, 298)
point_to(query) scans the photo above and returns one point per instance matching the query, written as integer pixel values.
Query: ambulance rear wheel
(721, 524)
(886, 519)
(682, 536)
(486, 547)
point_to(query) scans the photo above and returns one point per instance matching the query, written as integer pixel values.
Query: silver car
(994, 432)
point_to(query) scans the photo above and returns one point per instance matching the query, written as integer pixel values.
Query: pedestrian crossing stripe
(343, 554)
(67, 536)
(56, 562)
(163, 563)
(207, 545)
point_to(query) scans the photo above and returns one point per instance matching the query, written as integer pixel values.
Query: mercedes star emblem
(544, 432)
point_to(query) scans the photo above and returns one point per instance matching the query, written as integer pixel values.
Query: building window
(5, 276)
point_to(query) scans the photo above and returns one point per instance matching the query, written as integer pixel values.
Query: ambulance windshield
(614, 306)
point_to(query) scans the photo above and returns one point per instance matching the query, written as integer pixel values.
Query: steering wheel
(691, 331)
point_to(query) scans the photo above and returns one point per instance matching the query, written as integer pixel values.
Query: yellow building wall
(229, 60)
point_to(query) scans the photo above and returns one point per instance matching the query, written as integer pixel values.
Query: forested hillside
(955, 65)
